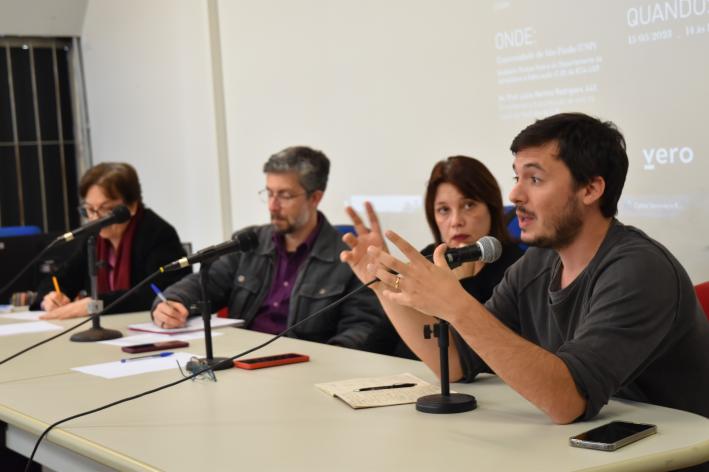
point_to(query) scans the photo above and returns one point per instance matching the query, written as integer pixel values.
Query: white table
(276, 419)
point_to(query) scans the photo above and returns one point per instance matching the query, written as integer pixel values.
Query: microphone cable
(493, 250)
(90, 318)
(194, 374)
(250, 237)
(27, 266)
(118, 215)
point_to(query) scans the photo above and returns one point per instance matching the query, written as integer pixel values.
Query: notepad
(347, 390)
(193, 324)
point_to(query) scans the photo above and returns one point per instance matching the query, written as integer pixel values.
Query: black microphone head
(120, 214)
(490, 248)
(246, 239)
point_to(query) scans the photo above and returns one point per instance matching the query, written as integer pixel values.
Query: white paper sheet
(29, 327)
(193, 324)
(116, 369)
(148, 338)
(24, 315)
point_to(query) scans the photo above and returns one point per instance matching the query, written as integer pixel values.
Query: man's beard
(565, 227)
(290, 226)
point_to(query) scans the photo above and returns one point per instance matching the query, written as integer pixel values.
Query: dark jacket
(155, 244)
(241, 282)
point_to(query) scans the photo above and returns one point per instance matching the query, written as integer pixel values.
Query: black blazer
(155, 244)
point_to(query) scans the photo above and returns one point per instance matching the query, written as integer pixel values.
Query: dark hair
(474, 181)
(118, 180)
(588, 146)
(312, 166)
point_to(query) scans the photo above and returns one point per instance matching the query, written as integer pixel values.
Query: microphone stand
(95, 306)
(445, 402)
(204, 306)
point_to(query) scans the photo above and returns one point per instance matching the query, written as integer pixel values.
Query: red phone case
(270, 361)
(154, 346)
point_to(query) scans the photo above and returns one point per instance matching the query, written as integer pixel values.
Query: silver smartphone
(613, 435)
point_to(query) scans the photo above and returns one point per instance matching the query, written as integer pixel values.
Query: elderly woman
(126, 252)
(463, 203)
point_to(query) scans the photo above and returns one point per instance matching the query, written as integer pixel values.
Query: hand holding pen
(168, 313)
(55, 299)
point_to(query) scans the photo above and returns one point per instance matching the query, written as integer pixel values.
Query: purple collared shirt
(272, 317)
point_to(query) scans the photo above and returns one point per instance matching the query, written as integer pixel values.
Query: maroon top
(115, 274)
(272, 317)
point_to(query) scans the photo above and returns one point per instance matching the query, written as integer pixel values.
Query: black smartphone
(613, 435)
(270, 361)
(154, 346)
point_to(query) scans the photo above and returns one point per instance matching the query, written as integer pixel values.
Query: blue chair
(344, 229)
(513, 226)
(13, 231)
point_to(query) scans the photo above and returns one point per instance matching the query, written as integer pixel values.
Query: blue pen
(149, 356)
(158, 292)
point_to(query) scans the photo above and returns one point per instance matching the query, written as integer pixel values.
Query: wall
(149, 93)
(42, 17)
(386, 89)
(372, 84)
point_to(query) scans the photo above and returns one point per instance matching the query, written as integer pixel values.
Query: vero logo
(663, 156)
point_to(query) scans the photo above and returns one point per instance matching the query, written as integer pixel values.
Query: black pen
(384, 387)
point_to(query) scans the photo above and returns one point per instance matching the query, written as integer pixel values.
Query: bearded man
(295, 270)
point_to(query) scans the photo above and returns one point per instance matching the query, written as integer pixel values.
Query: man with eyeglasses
(295, 270)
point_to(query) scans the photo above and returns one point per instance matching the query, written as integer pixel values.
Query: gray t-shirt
(629, 326)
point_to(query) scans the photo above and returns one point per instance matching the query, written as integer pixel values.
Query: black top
(155, 244)
(628, 326)
(482, 284)
(479, 286)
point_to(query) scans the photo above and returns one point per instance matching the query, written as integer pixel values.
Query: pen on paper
(158, 292)
(385, 387)
(149, 356)
(56, 285)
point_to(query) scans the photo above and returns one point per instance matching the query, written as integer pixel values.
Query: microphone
(243, 241)
(486, 249)
(119, 214)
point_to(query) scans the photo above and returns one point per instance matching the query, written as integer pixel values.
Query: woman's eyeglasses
(87, 211)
